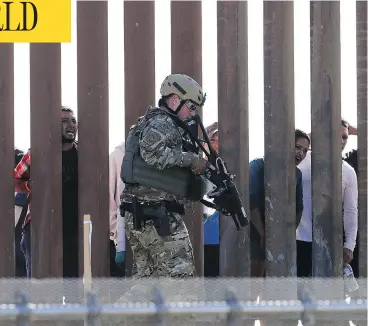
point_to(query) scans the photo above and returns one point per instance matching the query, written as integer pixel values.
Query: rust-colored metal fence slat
(361, 23)
(93, 114)
(7, 261)
(139, 49)
(279, 129)
(326, 135)
(232, 65)
(46, 224)
(186, 58)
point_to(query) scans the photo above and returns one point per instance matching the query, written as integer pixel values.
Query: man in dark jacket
(257, 202)
(20, 212)
(69, 196)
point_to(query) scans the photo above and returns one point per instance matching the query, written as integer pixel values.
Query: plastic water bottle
(350, 282)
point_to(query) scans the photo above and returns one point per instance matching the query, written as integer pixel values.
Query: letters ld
(10, 7)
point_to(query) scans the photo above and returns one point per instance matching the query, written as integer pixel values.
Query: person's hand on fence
(353, 131)
(347, 255)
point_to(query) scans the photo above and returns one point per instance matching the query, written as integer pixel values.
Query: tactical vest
(178, 181)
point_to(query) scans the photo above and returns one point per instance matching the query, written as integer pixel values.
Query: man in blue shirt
(257, 202)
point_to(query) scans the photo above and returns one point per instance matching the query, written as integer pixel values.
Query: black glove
(224, 202)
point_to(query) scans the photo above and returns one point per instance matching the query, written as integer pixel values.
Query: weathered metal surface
(139, 49)
(361, 30)
(93, 113)
(326, 139)
(139, 56)
(186, 50)
(45, 101)
(7, 261)
(232, 65)
(280, 183)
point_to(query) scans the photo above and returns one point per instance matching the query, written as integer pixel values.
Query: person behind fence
(211, 227)
(352, 159)
(117, 233)
(257, 202)
(69, 196)
(156, 170)
(304, 233)
(20, 211)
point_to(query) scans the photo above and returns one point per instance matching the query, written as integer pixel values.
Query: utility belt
(157, 212)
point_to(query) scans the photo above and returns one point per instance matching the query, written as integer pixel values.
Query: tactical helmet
(185, 87)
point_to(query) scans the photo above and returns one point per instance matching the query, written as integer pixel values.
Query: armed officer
(161, 170)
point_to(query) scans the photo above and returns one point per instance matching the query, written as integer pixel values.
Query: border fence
(216, 302)
(93, 107)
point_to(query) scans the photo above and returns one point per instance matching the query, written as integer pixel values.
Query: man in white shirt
(352, 158)
(304, 234)
(117, 232)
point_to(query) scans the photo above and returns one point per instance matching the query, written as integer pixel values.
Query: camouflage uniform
(156, 256)
(161, 147)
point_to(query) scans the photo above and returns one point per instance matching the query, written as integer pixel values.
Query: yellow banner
(35, 21)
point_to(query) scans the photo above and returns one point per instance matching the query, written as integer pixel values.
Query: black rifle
(225, 196)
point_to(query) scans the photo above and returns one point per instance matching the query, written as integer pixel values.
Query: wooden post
(280, 188)
(139, 47)
(93, 113)
(232, 40)
(87, 235)
(7, 261)
(361, 25)
(326, 139)
(186, 51)
(45, 90)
